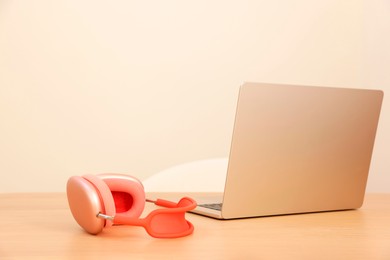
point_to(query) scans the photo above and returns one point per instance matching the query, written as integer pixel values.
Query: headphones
(98, 201)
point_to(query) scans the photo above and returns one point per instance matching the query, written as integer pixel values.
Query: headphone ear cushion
(105, 196)
(128, 193)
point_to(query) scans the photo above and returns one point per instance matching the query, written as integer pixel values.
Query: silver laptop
(297, 149)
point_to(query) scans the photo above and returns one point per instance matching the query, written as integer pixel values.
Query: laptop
(297, 149)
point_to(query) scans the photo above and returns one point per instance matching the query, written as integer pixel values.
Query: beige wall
(139, 86)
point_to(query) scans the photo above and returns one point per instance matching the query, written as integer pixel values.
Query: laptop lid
(299, 149)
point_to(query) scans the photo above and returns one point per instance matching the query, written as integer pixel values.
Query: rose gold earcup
(85, 204)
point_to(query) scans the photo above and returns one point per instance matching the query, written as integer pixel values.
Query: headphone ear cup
(105, 196)
(128, 193)
(84, 203)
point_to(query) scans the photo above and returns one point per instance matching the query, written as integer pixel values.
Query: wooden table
(40, 226)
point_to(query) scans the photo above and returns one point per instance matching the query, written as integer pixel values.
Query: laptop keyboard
(215, 206)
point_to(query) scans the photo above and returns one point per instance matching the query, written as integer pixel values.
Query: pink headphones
(98, 201)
